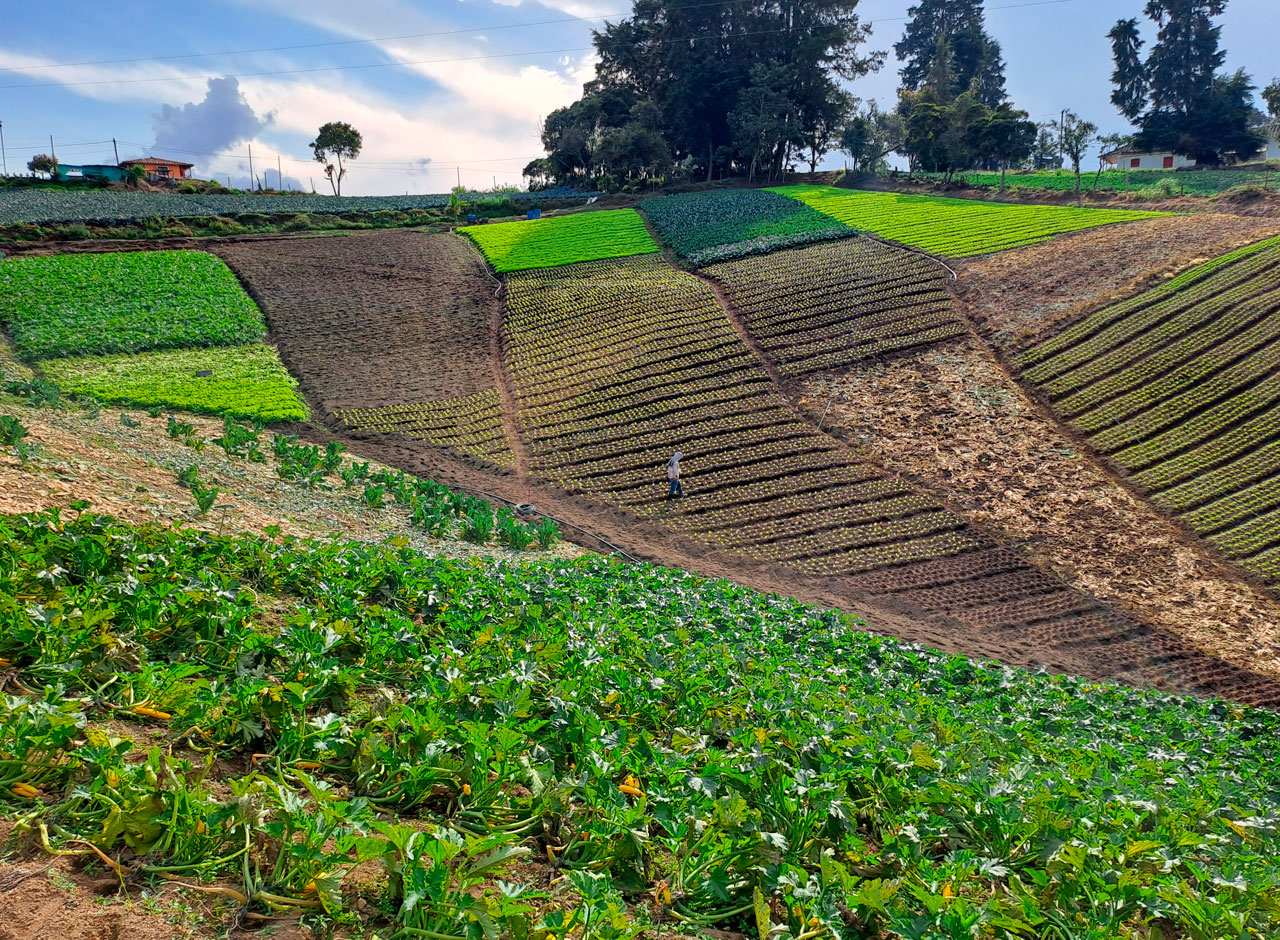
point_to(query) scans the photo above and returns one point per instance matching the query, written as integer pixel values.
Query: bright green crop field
(957, 228)
(246, 381)
(734, 223)
(79, 304)
(643, 744)
(559, 240)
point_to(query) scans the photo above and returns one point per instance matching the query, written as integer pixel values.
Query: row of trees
(752, 88)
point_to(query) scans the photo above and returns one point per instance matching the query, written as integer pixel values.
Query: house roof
(155, 161)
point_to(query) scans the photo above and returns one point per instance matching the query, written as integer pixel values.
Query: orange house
(161, 169)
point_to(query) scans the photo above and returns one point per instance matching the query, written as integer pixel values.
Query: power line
(399, 63)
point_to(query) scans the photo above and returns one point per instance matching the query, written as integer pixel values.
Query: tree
(705, 70)
(335, 143)
(1176, 95)
(1109, 143)
(976, 61)
(870, 135)
(1003, 136)
(43, 163)
(1045, 154)
(1271, 95)
(1074, 138)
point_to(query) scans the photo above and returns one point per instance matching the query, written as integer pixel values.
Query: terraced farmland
(1180, 387)
(829, 306)
(715, 226)
(956, 228)
(390, 331)
(564, 239)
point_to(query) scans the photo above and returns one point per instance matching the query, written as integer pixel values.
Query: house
(1130, 158)
(161, 169)
(100, 171)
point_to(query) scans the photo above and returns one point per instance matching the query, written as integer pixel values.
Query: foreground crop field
(673, 748)
(715, 226)
(955, 228)
(1179, 387)
(389, 331)
(566, 239)
(829, 306)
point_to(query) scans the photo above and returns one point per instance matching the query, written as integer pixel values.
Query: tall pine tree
(976, 61)
(1176, 95)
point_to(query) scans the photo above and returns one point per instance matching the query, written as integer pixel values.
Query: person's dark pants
(676, 490)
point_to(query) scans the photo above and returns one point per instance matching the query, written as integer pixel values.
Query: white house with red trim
(1130, 158)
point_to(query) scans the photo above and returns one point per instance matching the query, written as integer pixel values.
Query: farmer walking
(673, 474)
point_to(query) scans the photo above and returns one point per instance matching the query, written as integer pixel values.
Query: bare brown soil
(950, 417)
(1018, 297)
(386, 318)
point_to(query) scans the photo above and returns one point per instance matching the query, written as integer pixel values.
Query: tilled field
(616, 364)
(388, 331)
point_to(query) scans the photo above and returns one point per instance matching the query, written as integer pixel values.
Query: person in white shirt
(673, 474)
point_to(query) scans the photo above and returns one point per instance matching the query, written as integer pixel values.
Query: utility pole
(459, 169)
(279, 175)
(53, 151)
(250, 166)
(116, 147)
(1062, 130)
(3, 157)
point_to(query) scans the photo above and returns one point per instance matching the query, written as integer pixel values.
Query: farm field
(830, 306)
(402, 342)
(955, 228)
(558, 240)
(901, 747)
(1178, 387)
(26, 205)
(703, 228)
(1193, 182)
(615, 364)
(174, 329)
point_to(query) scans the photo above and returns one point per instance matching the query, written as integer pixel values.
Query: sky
(444, 91)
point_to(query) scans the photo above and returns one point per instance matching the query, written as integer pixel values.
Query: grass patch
(561, 240)
(957, 228)
(246, 382)
(733, 223)
(71, 305)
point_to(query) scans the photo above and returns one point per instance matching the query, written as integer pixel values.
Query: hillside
(910, 658)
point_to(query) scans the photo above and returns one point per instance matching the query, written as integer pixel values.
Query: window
(162, 171)
(1135, 163)
(1168, 163)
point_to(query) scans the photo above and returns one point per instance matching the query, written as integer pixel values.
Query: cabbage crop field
(151, 328)
(704, 228)
(37, 206)
(1180, 387)
(956, 228)
(66, 305)
(1191, 182)
(471, 425)
(559, 240)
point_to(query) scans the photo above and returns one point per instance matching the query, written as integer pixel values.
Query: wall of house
(72, 171)
(1153, 161)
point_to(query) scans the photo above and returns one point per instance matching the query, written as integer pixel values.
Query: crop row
(1086, 327)
(22, 206)
(81, 304)
(1177, 367)
(827, 306)
(471, 424)
(1152, 328)
(1199, 182)
(704, 228)
(1181, 385)
(560, 240)
(954, 227)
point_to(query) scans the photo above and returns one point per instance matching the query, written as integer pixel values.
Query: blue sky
(463, 102)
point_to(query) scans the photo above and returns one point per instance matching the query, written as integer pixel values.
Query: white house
(1129, 158)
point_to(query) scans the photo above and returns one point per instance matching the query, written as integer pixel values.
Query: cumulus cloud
(223, 119)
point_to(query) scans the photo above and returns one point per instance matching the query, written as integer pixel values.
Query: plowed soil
(1017, 297)
(364, 321)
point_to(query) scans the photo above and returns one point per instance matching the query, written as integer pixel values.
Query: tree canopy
(729, 88)
(974, 59)
(1176, 95)
(335, 143)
